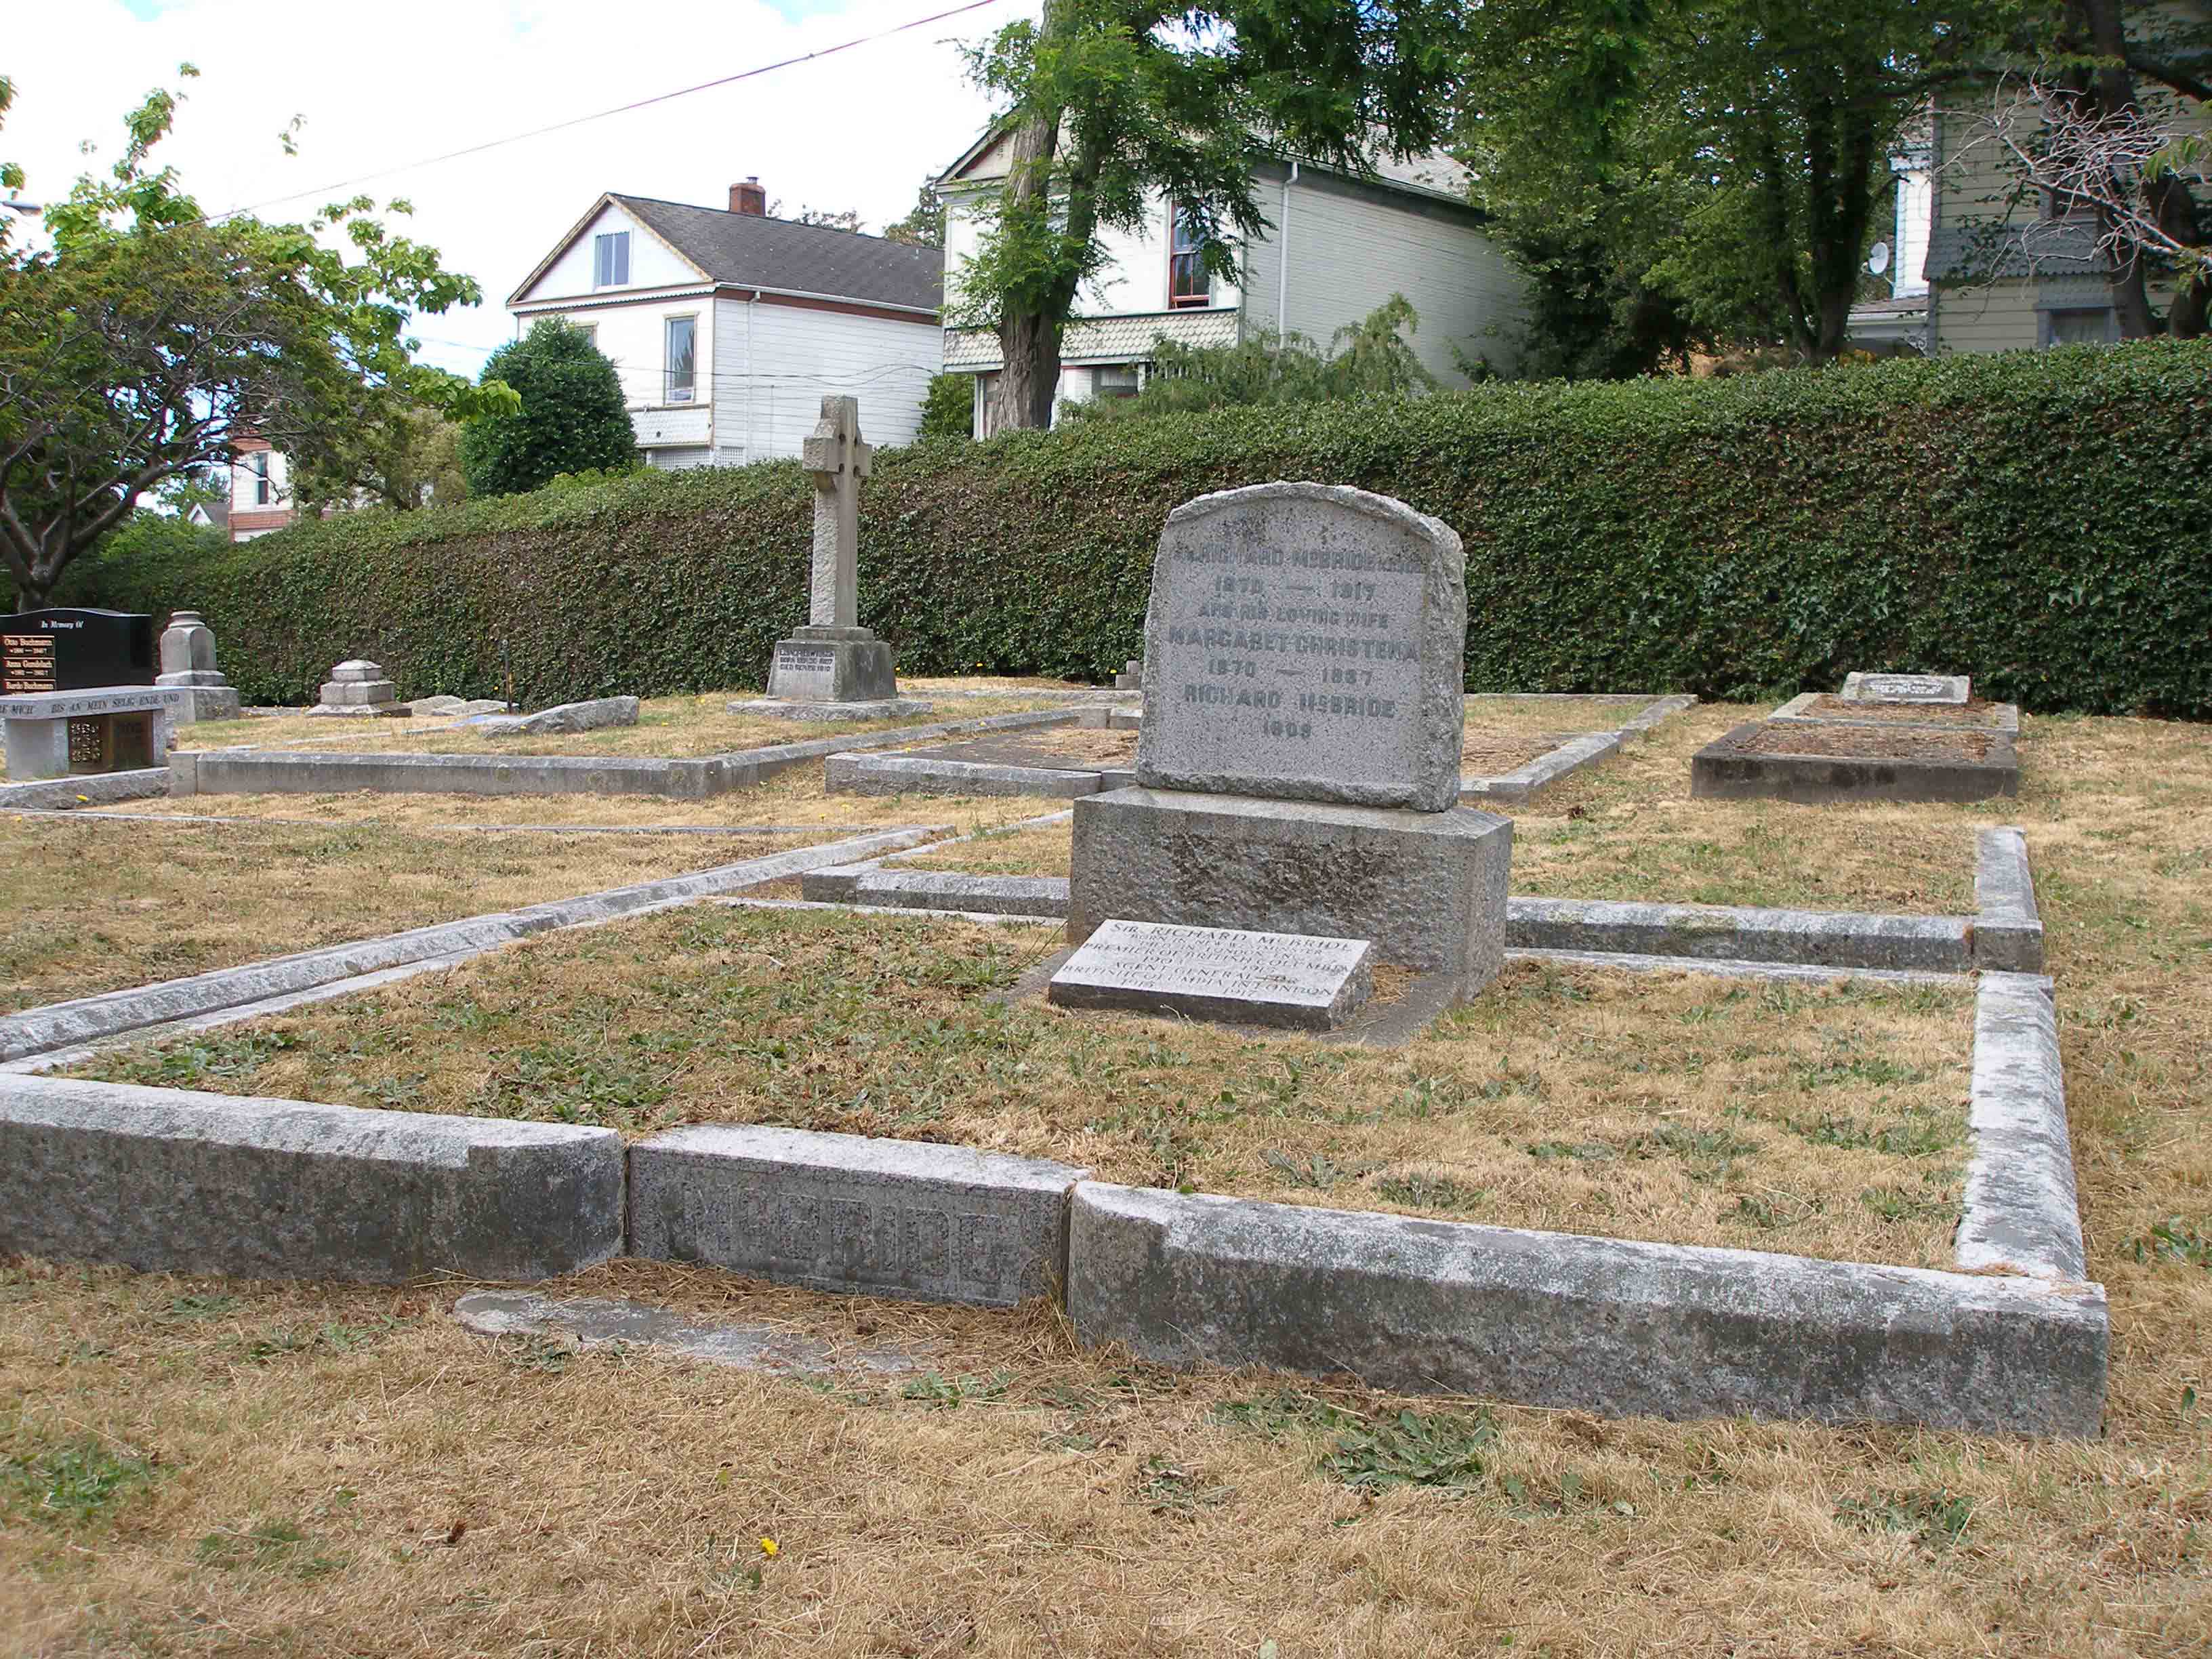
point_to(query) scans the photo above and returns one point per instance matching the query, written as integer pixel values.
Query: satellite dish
(1878, 258)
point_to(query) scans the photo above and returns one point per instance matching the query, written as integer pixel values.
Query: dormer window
(1188, 284)
(611, 259)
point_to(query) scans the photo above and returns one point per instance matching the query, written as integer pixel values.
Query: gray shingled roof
(1977, 250)
(754, 252)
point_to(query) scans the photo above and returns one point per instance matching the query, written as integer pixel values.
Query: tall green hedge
(2043, 522)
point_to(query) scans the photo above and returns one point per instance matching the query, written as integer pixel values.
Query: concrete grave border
(2004, 716)
(1721, 772)
(895, 773)
(263, 771)
(2013, 1341)
(58, 794)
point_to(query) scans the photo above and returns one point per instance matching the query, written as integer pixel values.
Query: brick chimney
(749, 198)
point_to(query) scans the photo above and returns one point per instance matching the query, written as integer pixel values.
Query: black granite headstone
(75, 650)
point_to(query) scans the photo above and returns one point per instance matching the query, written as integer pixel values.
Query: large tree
(1106, 106)
(1737, 153)
(147, 336)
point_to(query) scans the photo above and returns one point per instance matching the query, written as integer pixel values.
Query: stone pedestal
(359, 687)
(1428, 888)
(188, 663)
(833, 664)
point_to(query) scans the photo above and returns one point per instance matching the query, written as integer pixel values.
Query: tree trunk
(2113, 88)
(1028, 340)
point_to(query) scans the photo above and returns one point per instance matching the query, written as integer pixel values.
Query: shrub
(2034, 520)
(948, 409)
(573, 418)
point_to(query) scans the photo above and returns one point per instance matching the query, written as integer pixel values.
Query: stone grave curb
(1614, 1325)
(910, 1219)
(931, 890)
(168, 1181)
(1747, 934)
(253, 771)
(141, 783)
(86, 1019)
(1627, 962)
(2021, 1213)
(1576, 752)
(2008, 929)
(838, 882)
(1657, 714)
(1595, 928)
(1718, 772)
(898, 774)
(1794, 711)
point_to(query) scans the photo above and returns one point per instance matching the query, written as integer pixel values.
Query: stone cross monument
(833, 668)
(837, 461)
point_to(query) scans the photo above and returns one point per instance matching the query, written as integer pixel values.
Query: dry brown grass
(1555, 717)
(1043, 850)
(676, 728)
(1828, 1121)
(1094, 1507)
(91, 905)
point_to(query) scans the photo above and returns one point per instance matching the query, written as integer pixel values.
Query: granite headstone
(75, 650)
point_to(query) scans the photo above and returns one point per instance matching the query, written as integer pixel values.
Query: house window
(1118, 380)
(611, 259)
(1188, 284)
(683, 337)
(2089, 326)
(257, 464)
(589, 331)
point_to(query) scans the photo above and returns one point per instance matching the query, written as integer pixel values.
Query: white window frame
(2047, 336)
(604, 245)
(668, 392)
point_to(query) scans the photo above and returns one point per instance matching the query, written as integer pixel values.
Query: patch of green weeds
(1897, 1204)
(1572, 1492)
(1319, 1172)
(547, 1355)
(1431, 1192)
(278, 1340)
(2176, 1240)
(949, 1393)
(1915, 1136)
(266, 1546)
(1166, 1490)
(214, 1306)
(1772, 1212)
(1588, 1151)
(1439, 1449)
(72, 1481)
(1936, 1520)
(182, 1065)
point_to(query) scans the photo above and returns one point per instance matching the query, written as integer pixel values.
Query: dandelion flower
(767, 1547)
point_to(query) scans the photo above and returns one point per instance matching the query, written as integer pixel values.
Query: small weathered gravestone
(1299, 981)
(833, 668)
(1298, 765)
(67, 650)
(188, 661)
(1907, 688)
(359, 687)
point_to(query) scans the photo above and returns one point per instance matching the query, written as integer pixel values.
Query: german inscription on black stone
(66, 650)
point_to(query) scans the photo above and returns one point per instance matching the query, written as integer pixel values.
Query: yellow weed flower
(767, 1547)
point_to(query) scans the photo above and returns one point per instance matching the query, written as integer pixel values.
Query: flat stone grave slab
(1305, 642)
(1819, 761)
(1302, 981)
(1907, 688)
(1974, 715)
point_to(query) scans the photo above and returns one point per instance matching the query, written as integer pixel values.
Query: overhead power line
(602, 115)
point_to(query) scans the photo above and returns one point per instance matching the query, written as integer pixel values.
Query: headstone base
(1294, 980)
(881, 709)
(1428, 888)
(208, 695)
(832, 664)
(59, 735)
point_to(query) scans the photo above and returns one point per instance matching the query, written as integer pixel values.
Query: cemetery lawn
(668, 728)
(217, 1466)
(93, 905)
(1824, 1120)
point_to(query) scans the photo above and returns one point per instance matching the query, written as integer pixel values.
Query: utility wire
(601, 115)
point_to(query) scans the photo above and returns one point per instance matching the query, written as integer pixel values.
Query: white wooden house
(727, 326)
(1336, 247)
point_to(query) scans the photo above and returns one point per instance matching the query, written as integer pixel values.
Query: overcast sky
(393, 82)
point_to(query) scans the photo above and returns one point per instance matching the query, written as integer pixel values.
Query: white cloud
(413, 78)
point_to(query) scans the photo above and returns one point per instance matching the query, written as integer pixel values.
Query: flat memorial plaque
(1306, 641)
(1905, 688)
(1302, 980)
